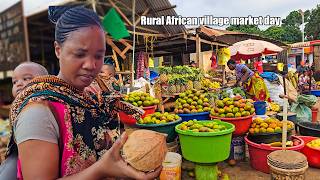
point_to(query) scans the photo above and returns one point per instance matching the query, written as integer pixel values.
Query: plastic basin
(258, 153)
(197, 116)
(167, 128)
(309, 129)
(129, 120)
(315, 93)
(206, 147)
(312, 154)
(267, 138)
(242, 124)
(291, 117)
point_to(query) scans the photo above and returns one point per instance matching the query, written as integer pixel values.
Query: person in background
(193, 64)
(258, 65)
(253, 84)
(24, 73)
(105, 81)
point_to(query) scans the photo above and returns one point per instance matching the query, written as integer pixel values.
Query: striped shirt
(240, 74)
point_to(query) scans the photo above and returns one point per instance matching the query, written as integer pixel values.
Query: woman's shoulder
(36, 121)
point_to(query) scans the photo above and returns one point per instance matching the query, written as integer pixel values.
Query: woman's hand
(113, 165)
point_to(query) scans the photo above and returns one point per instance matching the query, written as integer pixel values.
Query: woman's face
(81, 56)
(231, 67)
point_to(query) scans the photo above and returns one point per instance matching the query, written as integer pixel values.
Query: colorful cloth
(85, 120)
(240, 74)
(257, 89)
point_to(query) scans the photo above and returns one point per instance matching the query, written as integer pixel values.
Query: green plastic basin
(206, 147)
(167, 128)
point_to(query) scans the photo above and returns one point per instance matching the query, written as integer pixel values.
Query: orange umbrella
(252, 48)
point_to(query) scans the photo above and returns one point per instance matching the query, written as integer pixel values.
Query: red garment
(258, 65)
(213, 59)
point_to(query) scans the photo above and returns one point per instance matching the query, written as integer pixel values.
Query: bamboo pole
(134, 40)
(284, 124)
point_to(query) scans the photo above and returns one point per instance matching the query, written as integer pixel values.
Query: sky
(198, 8)
(241, 8)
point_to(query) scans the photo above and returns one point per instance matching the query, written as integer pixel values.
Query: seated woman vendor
(252, 82)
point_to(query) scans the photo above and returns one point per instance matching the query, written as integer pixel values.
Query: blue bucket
(197, 116)
(260, 107)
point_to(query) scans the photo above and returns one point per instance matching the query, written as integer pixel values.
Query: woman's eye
(14, 82)
(80, 55)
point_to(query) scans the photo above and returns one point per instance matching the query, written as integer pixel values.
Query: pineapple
(178, 87)
(189, 84)
(163, 74)
(183, 87)
(196, 83)
(172, 86)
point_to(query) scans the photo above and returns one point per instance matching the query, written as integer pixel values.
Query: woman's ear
(57, 49)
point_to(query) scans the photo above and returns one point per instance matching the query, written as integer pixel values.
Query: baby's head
(25, 72)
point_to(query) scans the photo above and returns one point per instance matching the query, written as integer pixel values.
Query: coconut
(145, 150)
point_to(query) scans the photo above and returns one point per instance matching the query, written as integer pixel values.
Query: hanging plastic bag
(303, 107)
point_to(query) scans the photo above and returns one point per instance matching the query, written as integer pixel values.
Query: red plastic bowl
(129, 120)
(258, 153)
(312, 154)
(242, 124)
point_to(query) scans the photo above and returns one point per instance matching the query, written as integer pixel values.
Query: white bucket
(171, 167)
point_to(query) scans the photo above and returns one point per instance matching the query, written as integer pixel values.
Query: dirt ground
(243, 171)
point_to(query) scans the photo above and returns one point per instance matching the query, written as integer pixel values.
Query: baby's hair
(42, 70)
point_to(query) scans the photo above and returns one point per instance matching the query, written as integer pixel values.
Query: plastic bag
(303, 107)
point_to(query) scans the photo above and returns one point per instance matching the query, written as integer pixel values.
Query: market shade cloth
(252, 48)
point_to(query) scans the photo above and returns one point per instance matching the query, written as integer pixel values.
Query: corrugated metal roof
(154, 6)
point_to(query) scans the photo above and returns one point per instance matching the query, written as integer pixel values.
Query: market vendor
(59, 130)
(105, 81)
(253, 84)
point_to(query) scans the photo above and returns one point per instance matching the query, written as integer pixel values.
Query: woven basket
(287, 165)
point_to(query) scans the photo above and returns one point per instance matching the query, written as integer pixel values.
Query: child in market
(25, 72)
(22, 75)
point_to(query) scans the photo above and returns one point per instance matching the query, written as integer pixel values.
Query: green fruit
(194, 103)
(220, 104)
(183, 101)
(195, 98)
(189, 101)
(182, 95)
(238, 114)
(131, 99)
(200, 102)
(135, 104)
(199, 107)
(139, 103)
(156, 101)
(137, 98)
(205, 100)
(200, 110)
(222, 115)
(142, 98)
(235, 110)
(146, 103)
(229, 115)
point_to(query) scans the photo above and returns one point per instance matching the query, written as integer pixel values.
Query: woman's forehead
(86, 38)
